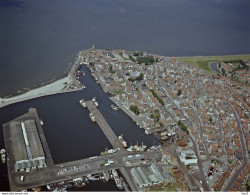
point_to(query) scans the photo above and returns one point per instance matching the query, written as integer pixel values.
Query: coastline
(64, 85)
(70, 82)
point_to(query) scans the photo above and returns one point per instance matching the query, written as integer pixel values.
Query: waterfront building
(147, 176)
(26, 145)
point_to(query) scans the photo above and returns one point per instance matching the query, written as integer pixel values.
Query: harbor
(26, 172)
(57, 147)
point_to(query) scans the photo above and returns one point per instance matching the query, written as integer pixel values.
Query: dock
(52, 173)
(108, 132)
(9, 146)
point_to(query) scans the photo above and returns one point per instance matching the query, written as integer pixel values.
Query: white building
(188, 157)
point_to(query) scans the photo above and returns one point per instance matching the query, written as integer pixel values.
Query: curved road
(232, 179)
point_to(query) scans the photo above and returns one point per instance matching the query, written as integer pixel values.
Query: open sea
(40, 39)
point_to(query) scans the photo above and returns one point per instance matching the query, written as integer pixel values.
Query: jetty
(108, 132)
(64, 85)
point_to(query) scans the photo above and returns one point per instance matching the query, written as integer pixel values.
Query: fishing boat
(82, 102)
(3, 158)
(92, 117)
(114, 107)
(95, 102)
(124, 143)
(117, 179)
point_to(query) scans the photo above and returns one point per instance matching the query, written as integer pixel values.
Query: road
(200, 176)
(233, 177)
(74, 169)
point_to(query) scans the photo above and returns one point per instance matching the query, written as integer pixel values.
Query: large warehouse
(26, 145)
(146, 176)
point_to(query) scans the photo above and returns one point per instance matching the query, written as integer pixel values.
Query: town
(203, 118)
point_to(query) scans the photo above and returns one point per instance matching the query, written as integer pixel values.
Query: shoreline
(70, 82)
(63, 85)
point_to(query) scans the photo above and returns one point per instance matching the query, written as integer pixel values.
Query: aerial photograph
(125, 96)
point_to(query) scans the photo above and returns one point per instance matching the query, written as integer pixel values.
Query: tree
(111, 69)
(210, 119)
(157, 116)
(135, 109)
(219, 65)
(223, 71)
(179, 92)
(183, 127)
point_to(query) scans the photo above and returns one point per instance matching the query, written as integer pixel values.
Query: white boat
(114, 107)
(2, 151)
(95, 102)
(117, 179)
(92, 117)
(82, 102)
(41, 122)
(124, 143)
(3, 158)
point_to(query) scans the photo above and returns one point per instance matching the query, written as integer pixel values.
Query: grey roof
(34, 148)
(147, 176)
(18, 145)
(134, 74)
(34, 140)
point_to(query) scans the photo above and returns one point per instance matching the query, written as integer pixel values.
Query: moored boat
(114, 107)
(3, 158)
(95, 102)
(92, 117)
(124, 143)
(117, 179)
(82, 102)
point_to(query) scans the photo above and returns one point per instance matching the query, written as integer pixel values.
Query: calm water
(70, 133)
(38, 39)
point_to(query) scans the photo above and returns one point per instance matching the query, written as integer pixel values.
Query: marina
(24, 177)
(48, 119)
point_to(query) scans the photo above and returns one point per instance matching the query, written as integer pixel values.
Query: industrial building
(146, 176)
(26, 145)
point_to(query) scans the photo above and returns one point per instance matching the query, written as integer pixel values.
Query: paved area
(108, 132)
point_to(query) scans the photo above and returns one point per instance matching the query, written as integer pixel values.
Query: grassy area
(85, 52)
(203, 62)
(170, 188)
(123, 57)
(117, 92)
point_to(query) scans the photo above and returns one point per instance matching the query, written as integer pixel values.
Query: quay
(29, 157)
(108, 132)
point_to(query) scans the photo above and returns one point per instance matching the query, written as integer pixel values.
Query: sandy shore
(66, 84)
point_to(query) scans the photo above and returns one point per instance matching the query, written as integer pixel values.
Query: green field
(203, 62)
(85, 52)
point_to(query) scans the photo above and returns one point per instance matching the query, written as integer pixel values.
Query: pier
(56, 87)
(108, 132)
(55, 173)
